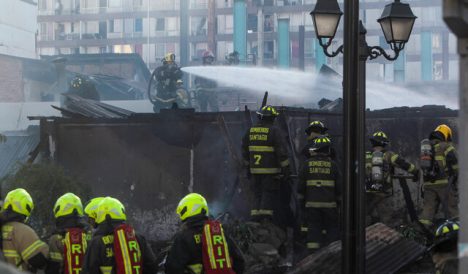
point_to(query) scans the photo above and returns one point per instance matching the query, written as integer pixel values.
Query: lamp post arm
(377, 51)
(325, 47)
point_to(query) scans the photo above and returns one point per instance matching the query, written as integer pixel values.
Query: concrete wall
(18, 27)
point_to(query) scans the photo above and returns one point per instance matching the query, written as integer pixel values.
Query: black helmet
(77, 82)
(321, 144)
(267, 112)
(379, 138)
(447, 229)
(446, 236)
(316, 126)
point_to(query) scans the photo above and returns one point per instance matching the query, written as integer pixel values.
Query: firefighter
(440, 177)
(320, 187)
(315, 129)
(380, 169)
(68, 243)
(166, 82)
(265, 155)
(206, 94)
(201, 245)
(83, 87)
(115, 248)
(20, 244)
(91, 210)
(444, 251)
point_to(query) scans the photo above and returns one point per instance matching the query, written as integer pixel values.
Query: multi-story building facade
(18, 28)
(153, 27)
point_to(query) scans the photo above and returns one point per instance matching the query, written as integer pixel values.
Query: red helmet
(207, 54)
(208, 57)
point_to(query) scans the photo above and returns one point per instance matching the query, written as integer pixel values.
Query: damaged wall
(145, 160)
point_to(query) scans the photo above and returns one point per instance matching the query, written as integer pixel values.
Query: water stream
(305, 88)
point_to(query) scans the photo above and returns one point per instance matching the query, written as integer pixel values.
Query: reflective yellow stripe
(304, 229)
(68, 246)
(226, 250)
(253, 212)
(313, 245)
(106, 269)
(284, 163)
(210, 246)
(318, 183)
(265, 212)
(261, 148)
(449, 149)
(411, 168)
(321, 204)
(31, 249)
(437, 182)
(455, 167)
(56, 256)
(394, 158)
(196, 268)
(265, 170)
(125, 254)
(425, 222)
(9, 253)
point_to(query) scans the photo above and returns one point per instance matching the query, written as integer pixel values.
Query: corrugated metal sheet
(386, 252)
(78, 107)
(16, 149)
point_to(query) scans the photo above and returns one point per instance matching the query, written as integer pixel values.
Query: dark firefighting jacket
(391, 160)
(61, 239)
(320, 182)
(445, 164)
(100, 259)
(186, 252)
(264, 149)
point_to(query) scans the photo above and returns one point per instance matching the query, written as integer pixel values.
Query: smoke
(301, 88)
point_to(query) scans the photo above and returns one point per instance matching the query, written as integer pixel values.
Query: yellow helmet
(68, 204)
(191, 205)
(445, 130)
(169, 57)
(19, 201)
(91, 208)
(112, 208)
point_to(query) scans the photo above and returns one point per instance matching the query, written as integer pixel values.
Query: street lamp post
(397, 22)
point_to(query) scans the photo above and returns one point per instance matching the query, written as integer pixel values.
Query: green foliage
(45, 182)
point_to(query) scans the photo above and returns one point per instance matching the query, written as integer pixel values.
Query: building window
(268, 50)
(138, 25)
(438, 70)
(160, 24)
(268, 24)
(252, 23)
(198, 26)
(436, 43)
(111, 25)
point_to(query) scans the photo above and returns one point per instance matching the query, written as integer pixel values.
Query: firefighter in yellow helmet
(320, 188)
(440, 174)
(166, 77)
(265, 155)
(21, 245)
(115, 247)
(200, 246)
(69, 241)
(91, 210)
(380, 170)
